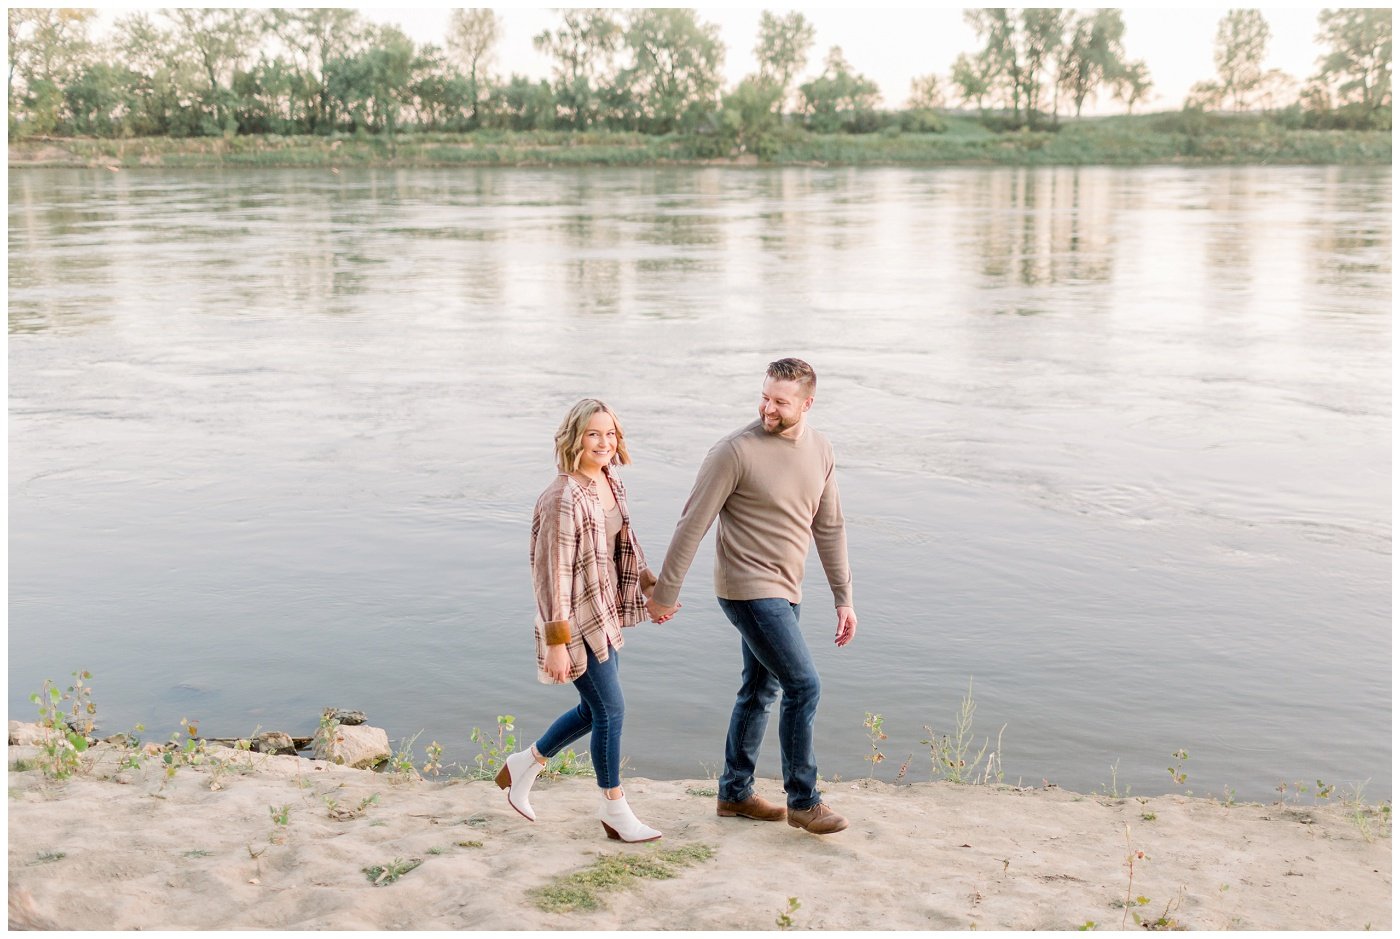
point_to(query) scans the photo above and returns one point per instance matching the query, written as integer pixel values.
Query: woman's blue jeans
(775, 658)
(600, 711)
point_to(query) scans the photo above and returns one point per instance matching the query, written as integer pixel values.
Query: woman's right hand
(556, 662)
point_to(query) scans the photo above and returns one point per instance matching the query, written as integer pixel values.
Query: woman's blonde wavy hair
(568, 439)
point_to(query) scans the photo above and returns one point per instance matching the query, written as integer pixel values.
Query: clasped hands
(659, 613)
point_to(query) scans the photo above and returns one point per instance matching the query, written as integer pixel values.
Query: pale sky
(894, 44)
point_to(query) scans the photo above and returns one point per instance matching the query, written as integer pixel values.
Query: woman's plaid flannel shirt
(568, 558)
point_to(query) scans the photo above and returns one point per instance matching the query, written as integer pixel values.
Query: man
(773, 486)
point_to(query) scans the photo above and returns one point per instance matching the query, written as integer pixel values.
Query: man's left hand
(845, 624)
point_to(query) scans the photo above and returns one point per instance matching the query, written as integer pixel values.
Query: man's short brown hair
(794, 370)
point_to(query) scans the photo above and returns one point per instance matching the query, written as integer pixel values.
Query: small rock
(345, 717)
(25, 735)
(274, 741)
(358, 746)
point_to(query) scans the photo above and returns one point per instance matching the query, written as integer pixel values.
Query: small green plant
(401, 763)
(469, 844)
(1134, 855)
(1089, 926)
(1323, 791)
(1149, 816)
(383, 874)
(703, 792)
(1177, 772)
(494, 751)
(1112, 788)
(434, 764)
(874, 729)
(197, 853)
(1363, 816)
(67, 719)
(48, 857)
(785, 920)
(1229, 796)
(951, 755)
(568, 764)
(1165, 921)
(280, 816)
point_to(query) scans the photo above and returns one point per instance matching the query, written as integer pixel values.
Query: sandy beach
(283, 842)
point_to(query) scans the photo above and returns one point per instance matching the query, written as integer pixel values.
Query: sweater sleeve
(829, 533)
(718, 475)
(552, 554)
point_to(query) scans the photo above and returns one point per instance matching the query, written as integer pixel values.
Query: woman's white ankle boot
(516, 777)
(619, 822)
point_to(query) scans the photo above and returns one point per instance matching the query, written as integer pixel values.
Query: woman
(589, 576)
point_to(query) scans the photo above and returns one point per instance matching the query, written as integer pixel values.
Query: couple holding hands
(772, 484)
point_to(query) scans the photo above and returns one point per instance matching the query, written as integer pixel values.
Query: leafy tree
(1093, 56)
(315, 36)
(471, 34)
(1018, 48)
(674, 79)
(839, 98)
(749, 116)
(49, 49)
(219, 40)
(783, 45)
(522, 104)
(437, 91)
(1241, 40)
(95, 98)
(1043, 33)
(926, 93)
(583, 49)
(374, 85)
(998, 60)
(972, 77)
(1357, 64)
(1132, 83)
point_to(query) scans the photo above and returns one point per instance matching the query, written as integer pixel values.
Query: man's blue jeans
(600, 711)
(775, 658)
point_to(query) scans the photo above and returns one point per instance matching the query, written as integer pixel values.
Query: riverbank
(251, 841)
(1161, 139)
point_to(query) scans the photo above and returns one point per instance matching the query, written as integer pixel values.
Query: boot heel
(503, 777)
(611, 832)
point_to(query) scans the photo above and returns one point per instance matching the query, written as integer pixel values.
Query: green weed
(581, 890)
(952, 755)
(785, 920)
(67, 719)
(874, 729)
(383, 874)
(1178, 774)
(494, 751)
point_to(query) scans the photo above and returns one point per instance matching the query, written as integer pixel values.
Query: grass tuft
(581, 890)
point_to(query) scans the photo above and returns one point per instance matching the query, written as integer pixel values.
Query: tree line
(213, 71)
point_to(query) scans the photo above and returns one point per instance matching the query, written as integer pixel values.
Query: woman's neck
(595, 475)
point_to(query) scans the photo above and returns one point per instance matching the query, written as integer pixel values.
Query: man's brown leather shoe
(819, 819)
(755, 806)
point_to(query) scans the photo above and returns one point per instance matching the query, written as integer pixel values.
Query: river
(1114, 447)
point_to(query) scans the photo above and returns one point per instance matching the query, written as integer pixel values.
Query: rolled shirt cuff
(556, 633)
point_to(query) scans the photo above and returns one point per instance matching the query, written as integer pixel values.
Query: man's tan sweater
(773, 496)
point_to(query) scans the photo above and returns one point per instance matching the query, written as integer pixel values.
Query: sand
(132, 849)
